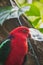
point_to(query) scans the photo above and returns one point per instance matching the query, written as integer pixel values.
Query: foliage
(7, 13)
(35, 14)
(4, 12)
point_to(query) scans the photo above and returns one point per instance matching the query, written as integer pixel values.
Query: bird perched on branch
(13, 51)
(18, 46)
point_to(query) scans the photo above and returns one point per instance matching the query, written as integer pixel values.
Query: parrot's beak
(35, 34)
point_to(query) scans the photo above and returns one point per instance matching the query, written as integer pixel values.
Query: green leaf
(7, 13)
(35, 22)
(33, 18)
(41, 1)
(5, 8)
(39, 24)
(34, 11)
(21, 3)
(40, 29)
(4, 12)
(40, 7)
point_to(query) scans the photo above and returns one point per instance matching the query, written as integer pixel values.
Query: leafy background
(35, 14)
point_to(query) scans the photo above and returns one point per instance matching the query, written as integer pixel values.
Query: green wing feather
(4, 51)
(4, 42)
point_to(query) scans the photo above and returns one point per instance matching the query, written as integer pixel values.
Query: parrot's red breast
(19, 46)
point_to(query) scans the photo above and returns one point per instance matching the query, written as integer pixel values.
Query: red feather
(19, 46)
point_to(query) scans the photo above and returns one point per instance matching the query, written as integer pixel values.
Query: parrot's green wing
(4, 51)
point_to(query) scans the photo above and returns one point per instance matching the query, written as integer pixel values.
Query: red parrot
(13, 51)
(18, 45)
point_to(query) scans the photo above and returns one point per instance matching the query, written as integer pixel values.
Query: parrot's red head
(21, 30)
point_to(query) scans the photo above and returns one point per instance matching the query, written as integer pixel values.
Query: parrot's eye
(23, 31)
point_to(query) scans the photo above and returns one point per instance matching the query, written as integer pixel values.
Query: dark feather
(4, 51)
